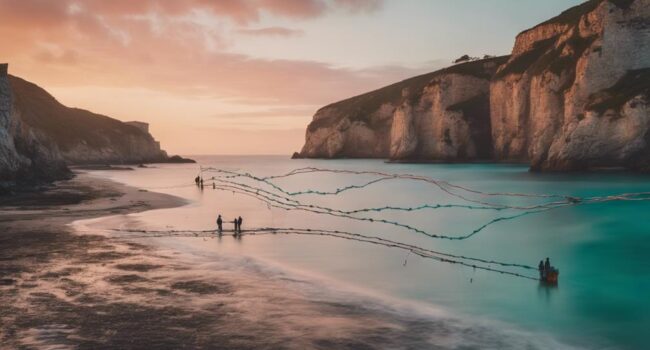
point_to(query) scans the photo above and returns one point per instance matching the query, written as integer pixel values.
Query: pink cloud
(101, 43)
(360, 5)
(271, 31)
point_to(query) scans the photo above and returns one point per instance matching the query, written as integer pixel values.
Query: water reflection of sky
(601, 249)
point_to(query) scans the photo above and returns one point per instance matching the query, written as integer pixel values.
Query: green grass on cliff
(361, 107)
(67, 126)
(632, 84)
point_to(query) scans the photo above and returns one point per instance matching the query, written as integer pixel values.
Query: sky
(244, 76)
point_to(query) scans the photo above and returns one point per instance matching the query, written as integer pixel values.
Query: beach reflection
(575, 238)
(545, 291)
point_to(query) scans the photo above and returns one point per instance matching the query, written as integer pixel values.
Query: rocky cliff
(441, 115)
(39, 136)
(26, 155)
(573, 95)
(81, 136)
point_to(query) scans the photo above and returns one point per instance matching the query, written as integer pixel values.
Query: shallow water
(601, 249)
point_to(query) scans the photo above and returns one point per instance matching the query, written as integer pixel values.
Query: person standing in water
(219, 224)
(234, 233)
(239, 221)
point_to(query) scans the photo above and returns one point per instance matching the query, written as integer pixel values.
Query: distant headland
(40, 137)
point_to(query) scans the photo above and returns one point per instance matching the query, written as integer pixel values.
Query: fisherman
(219, 224)
(547, 267)
(542, 271)
(239, 221)
(234, 233)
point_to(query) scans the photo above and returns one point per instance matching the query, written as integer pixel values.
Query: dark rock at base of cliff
(101, 167)
(296, 155)
(178, 159)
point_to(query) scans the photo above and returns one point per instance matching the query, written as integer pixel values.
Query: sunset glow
(242, 77)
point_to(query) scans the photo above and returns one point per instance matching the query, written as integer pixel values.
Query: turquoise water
(602, 250)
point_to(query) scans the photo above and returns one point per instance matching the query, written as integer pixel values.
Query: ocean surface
(602, 249)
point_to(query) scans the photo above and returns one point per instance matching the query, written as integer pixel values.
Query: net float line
(475, 263)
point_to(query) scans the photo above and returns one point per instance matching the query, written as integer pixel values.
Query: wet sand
(61, 289)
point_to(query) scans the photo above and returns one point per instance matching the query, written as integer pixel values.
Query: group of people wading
(199, 181)
(236, 222)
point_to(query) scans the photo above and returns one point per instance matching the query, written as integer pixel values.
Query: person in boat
(239, 221)
(219, 223)
(547, 266)
(542, 270)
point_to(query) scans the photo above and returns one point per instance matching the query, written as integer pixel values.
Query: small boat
(550, 277)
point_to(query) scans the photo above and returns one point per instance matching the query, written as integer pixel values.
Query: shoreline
(90, 291)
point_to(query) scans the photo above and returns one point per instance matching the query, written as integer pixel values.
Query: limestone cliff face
(442, 115)
(26, 155)
(83, 137)
(574, 93)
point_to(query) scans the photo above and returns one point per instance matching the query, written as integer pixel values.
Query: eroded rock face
(543, 100)
(83, 137)
(26, 156)
(39, 136)
(572, 96)
(442, 115)
(10, 160)
(450, 121)
(403, 135)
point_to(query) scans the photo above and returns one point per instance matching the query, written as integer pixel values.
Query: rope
(422, 252)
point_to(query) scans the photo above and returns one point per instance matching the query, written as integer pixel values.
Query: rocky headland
(572, 95)
(40, 137)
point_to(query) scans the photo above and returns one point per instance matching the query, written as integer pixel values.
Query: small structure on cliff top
(140, 125)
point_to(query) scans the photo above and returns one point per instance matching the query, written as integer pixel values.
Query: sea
(598, 239)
